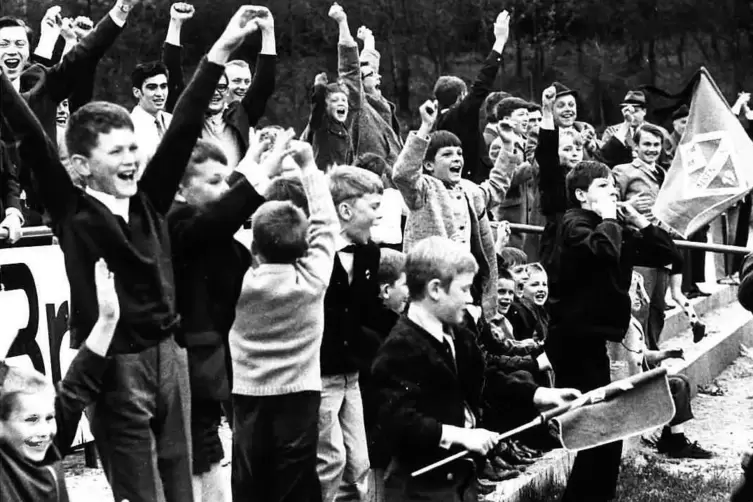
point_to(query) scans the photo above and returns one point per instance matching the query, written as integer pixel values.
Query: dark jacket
(22, 480)
(420, 390)
(463, 121)
(745, 291)
(345, 346)
(10, 190)
(589, 304)
(329, 138)
(138, 253)
(528, 320)
(209, 265)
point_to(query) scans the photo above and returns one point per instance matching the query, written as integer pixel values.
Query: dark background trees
(599, 47)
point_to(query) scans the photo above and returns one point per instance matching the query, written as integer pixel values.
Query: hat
(561, 90)
(681, 112)
(636, 98)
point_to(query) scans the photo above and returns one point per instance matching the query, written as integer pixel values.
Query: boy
(388, 230)
(145, 448)
(430, 374)
(351, 298)
(631, 356)
(327, 130)
(275, 340)
(393, 296)
(209, 264)
(529, 316)
(37, 424)
(441, 203)
(589, 302)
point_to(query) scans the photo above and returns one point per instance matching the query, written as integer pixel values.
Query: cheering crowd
(379, 316)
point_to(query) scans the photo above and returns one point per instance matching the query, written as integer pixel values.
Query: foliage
(600, 48)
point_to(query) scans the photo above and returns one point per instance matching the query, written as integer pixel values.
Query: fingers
(503, 17)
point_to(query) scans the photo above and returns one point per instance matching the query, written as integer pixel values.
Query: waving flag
(713, 166)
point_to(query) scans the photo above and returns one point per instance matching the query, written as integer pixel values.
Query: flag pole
(594, 396)
(682, 244)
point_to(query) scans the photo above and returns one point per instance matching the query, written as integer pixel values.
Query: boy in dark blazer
(140, 419)
(430, 375)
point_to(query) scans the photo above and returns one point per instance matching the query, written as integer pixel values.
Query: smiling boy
(140, 415)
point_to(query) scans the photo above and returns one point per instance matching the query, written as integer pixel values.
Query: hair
(436, 258)
(581, 177)
(648, 129)
(374, 163)
(490, 105)
(510, 257)
(14, 22)
(534, 107)
(203, 151)
(440, 139)
(447, 89)
(535, 268)
(144, 71)
(88, 122)
(239, 63)
(289, 189)
(391, 266)
(280, 232)
(577, 137)
(348, 182)
(503, 274)
(509, 105)
(20, 381)
(334, 88)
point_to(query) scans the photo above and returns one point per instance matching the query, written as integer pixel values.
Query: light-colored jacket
(431, 214)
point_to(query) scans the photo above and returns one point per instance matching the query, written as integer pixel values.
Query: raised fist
(181, 11)
(82, 26)
(67, 31)
(548, 97)
(321, 79)
(428, 112)
(364, 33)
(337, 13)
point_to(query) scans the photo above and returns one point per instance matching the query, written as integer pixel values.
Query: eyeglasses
(221, 88)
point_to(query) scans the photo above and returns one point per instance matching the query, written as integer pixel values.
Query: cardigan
(138, 252)
(279, 320)
(431, 214)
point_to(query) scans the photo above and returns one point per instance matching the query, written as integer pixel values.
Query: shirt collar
(342, 241)
(118, 207)
(143, 114)
(428, 322)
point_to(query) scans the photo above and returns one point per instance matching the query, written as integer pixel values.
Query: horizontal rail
(28, 232)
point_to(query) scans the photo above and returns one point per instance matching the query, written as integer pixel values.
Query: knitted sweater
(431, 213)
(279, 320)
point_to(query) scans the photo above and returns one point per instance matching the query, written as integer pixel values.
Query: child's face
(207, 185)
(336, 105)
(505, 295)
(565, 111)
(599, 190)
(451, 303)
(395, 295)
(113, 164)
(358, 216)
(31, 426)
(570, 153)
(520, 276)
(447, 164)
(518, 120)
(536, 288)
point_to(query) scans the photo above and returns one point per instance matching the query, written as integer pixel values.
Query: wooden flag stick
(597, 395)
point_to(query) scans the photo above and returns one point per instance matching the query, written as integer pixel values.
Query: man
(239, 80)
(153, 84)
(633, 109)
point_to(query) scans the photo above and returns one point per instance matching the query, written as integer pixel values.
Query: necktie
(448, 352)
(160, 126)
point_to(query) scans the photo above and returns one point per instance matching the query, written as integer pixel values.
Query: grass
(648, 483)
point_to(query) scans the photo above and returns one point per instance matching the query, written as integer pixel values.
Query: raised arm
(263, 83)
(500, 178)
(348, 66)
(180, 12)
(83, 381)
(63, 77)
(407, 173)
(551, 173)
(164, 172)
(37, 151)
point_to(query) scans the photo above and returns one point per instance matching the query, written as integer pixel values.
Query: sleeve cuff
(46, 45)
(449, 433)
(16, 212)
(119, 22)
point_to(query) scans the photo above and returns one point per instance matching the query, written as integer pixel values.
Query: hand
(743, 98)
(477, 440)
(606, 208)
(259, 144)
(51, 22)
(547, 99)
(12, 223)
(543, 362)
(242, 24)
(428, 112)
(546, 398)
(107, 297)
(364, 33)
(264, 19)
(641, 202)
(502, 27)
(302, 152)
(628, 113)
(181, 12)
(503, 235)
(272, 164)
(82, 26)
(632, 217)
(321, 79)
(337, 13)
(673, 354)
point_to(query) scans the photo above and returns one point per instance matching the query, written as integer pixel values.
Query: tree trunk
(652, 60)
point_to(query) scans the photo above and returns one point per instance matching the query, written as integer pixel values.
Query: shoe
(699, 331)
(496, 475)
(510, 456)
(531, 452)
(679, 446)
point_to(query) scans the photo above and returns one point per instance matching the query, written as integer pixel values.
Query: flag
(620, 410)
(713, 165)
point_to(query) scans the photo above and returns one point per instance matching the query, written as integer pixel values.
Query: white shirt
(346, 259)
(147, 133)
(387, 228)
(118, 207)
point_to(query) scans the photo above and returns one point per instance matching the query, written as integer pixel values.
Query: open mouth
(341, 113)
(456, 169)
(128, 175)
(539, 297)
(240, 92)
(12, 63)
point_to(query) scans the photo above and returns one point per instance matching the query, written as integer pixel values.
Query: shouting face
(14, 51)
